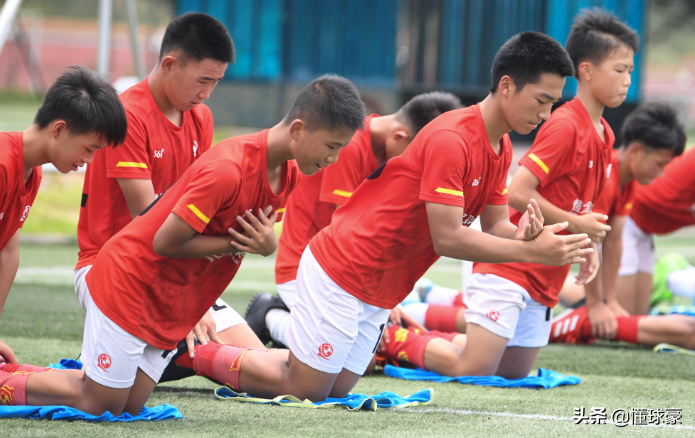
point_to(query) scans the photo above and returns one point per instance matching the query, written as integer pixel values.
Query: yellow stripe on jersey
(628, 206)
(199, 213)
(131, 164)
(342, 193)
(504, 192)
(540, 162)
(449, 192)
(281, 210)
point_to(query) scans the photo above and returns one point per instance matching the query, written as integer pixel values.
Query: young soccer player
(168, 129)
(662, 207)
(653, 137)
(409, 212)
(510, 305)
(311, 206)
(80, 114)
(153, 281)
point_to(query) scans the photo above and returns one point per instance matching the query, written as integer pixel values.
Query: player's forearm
(9, 261)
(594, 289)
(197, 246)
(551, 213)
(503, 230)
(474, 246)
(612, 252)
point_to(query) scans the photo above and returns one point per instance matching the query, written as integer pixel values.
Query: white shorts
(638, 250)
(286, 292)
(223, 314)
(506, 309)
(329, 328)
(81, 286)
(112, 356)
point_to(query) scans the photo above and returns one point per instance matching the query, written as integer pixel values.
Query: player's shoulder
(10, 148)
(138, 101)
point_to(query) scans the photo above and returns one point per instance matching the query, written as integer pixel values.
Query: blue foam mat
(544, 380)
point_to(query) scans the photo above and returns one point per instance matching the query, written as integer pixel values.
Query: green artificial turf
(43, 323)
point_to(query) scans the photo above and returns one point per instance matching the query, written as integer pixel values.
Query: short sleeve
(209, 189)
(341, 179)
(294, 181)
(131, 159)
(31, 197)
(607, 200)
(550, 156)
(627, 199)
(445, 162)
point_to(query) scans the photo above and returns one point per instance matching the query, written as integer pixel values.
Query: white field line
(529, 416)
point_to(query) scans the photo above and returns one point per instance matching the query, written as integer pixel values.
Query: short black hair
(329, 102)
(596, 34)
(423, 108)
(655, 125)
(525, 56)
(198, 36)
(87, 103)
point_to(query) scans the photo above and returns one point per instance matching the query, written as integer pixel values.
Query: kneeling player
(153, 281)
(399, 221)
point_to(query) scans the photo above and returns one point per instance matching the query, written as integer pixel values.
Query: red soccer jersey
(311, 206)
(16, 197)
(154, 149)
(379, 244)
(613, 201)
(573, 164)
(160, 299)
(668, 203)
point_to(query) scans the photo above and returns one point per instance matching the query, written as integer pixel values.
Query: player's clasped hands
(554, 250)
(258, 236)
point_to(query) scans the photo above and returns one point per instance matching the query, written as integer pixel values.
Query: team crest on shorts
(493, 315)
(6, 396)
(104, 362)
(325, 350)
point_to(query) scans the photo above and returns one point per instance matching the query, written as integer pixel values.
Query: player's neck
(279, 150)
(495, 122)
(592, 105)
(156, 85)
(379, 130)
(35, 149)
(624, 167)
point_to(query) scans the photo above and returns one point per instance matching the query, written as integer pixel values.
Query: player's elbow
(161, 246)
(441, 245)
(518, 199)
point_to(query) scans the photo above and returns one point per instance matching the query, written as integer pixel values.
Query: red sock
(13, 388)
(627, 328)
(11, 368)
(458, 301)
(220, 362)
(407, 346)
(437, 334)
(442, 318)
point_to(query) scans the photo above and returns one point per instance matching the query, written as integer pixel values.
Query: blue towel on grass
(161, 412)
(353, 402)
(545, 379)
(673, 310)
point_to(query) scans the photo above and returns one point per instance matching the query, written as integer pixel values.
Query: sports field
(43, 322)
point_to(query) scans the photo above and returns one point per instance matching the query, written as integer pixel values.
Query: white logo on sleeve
(26, 213)
(591, 164)
(477, 181)
(195, 148)
(2, 215)
(608, 170)
(159, 154)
